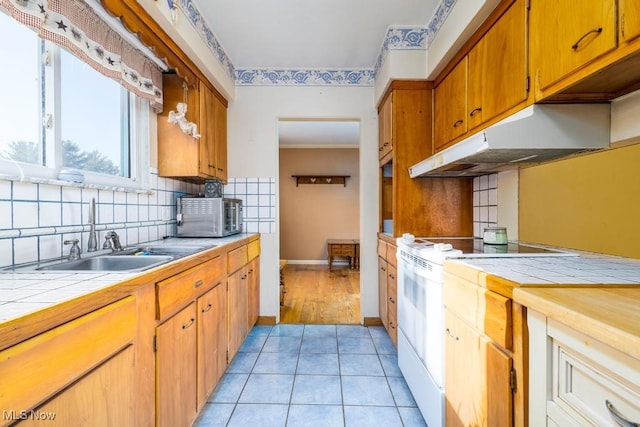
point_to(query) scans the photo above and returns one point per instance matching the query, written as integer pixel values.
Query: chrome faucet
(92, 244)
(112, 241)
(74, 252)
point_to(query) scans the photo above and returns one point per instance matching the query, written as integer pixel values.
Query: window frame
(137, 121)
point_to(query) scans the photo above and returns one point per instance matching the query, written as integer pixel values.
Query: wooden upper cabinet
(213, 139)
(451, 106)
(207, 158)
(220, 138)
(181, 155)
(629, 28)
(421, 206)
(385, 127)
(567, 35)
(497, 76)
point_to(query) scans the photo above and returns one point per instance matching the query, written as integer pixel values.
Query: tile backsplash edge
(485, 203)
(39, 215)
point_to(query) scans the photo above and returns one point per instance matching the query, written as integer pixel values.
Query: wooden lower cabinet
(212, 342)
(253, 295)
(243, 285)
(387, 288)
(176, 371)
(104, 397)
(57, 377)
(486, 358)
(382, 291)
(238, 297)
(477, 378)
(392, 306)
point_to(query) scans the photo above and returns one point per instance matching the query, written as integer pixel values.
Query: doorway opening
(319, 201)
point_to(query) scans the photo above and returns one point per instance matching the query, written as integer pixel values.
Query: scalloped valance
(74, 25)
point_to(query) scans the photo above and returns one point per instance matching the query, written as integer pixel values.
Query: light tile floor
(313, 375)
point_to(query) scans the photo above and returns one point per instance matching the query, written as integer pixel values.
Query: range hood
(536, 134)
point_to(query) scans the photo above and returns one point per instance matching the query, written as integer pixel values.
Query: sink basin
(170, 250)
(120, 263)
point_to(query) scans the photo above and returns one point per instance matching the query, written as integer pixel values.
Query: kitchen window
(57, 112)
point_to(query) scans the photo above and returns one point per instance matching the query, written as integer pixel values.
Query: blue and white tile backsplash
(485, 203)
(396, 38)
(258, 197)
(37, 217)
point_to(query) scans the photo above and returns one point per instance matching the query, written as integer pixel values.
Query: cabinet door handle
(448, 332)
(207, 308)
(221, 169)
(381, 148)
(212, 166)
(243, 277)
(392, 300)
(386, 144)
(188, 325)
(383, 269)
(474, 111)
(392, 277)
(576, 45)
(197, 283)
(618, 417)
(458, 123)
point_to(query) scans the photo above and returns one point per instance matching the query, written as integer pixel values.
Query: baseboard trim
(372, 321)
(266, 320)
(316, 261)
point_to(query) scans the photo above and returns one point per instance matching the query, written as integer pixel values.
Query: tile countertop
(23, 292)
(584, 270)
(595, 294)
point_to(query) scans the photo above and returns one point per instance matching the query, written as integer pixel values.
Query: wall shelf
(321, 179)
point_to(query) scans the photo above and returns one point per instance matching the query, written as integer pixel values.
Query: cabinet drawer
(236, 259)
(253, 249)
(486, 311)
(382, 249)
(176, 292)
(343, 250)
(586, 374)
(461, 298)
(64, 354)
(495, 318)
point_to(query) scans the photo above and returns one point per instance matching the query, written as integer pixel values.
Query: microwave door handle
(179, 214)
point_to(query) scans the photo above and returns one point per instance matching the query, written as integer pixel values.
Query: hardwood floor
(316, 296)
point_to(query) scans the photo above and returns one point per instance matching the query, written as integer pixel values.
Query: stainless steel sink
(170, 250)
(120, 263)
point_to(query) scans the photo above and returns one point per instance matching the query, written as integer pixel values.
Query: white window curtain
(74, 25)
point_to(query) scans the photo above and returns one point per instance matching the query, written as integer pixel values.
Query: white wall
(253, 151)
(624, 118)
(465, 17)
(190, 41)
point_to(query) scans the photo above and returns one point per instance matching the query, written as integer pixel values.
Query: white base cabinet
(575, 380)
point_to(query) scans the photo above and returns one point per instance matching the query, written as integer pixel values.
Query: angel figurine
(180, 118)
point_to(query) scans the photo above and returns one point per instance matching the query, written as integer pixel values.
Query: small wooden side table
(346, 248)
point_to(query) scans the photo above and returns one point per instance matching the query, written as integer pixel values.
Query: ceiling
(299, 34)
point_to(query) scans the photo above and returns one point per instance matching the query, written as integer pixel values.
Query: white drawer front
(586, 374)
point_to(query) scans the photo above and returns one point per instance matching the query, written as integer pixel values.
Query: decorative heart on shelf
(312, 179)
(328, 180)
